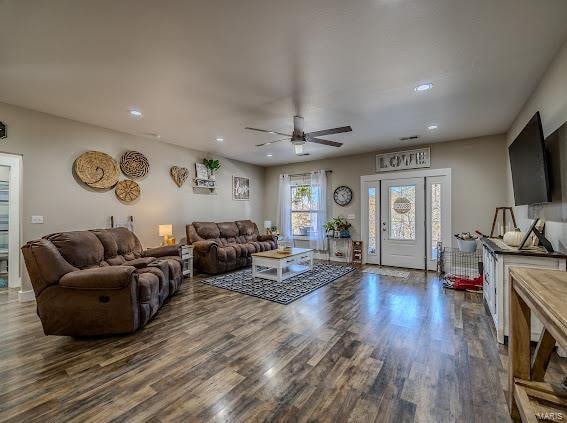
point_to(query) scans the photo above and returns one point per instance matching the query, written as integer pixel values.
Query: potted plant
(329, 227)
(337, 227)
(212, 166)
(342, 226)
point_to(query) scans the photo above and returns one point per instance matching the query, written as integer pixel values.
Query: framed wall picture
(201, 171)
(240, 188)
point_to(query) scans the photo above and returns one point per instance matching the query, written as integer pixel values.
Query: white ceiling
(205, 69)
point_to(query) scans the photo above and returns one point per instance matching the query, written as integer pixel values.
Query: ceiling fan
(298, 138)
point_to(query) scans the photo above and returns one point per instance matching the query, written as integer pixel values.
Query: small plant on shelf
(339, 226)
(212, 166)
(329, 227)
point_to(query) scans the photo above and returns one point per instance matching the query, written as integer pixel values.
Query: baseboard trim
(26, 296)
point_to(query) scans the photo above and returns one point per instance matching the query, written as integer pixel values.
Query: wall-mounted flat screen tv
(528, 161)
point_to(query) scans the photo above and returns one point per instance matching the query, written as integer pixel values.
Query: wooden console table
(543, 293)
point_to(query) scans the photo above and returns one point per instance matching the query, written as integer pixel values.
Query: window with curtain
(303, 203)
(304, 209)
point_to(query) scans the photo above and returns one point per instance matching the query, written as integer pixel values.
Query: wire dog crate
(459, 270)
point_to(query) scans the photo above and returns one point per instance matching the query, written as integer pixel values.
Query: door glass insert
(402, 212)
(435, 218)
(371, 220)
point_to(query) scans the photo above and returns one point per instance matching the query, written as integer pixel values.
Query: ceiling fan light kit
(298, 138)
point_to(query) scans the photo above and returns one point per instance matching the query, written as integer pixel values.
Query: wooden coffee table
(279, 266)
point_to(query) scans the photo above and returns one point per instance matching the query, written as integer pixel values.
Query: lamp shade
(267, 224)
(165, 230)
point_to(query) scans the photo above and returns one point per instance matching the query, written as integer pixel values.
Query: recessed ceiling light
(136, 113)
(423, 87)
(220, 139)
(432, 127)
(269, 155)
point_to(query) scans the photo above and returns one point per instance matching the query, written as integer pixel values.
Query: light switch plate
(351, 216)
(37, 219)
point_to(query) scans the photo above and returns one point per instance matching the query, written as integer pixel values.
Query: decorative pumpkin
(513, 238)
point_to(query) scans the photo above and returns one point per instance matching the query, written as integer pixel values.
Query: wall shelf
(204, 183)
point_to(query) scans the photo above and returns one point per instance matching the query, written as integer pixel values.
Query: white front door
(403, 223)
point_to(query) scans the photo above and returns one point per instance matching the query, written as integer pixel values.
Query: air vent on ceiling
(303, 154)
(410, 138)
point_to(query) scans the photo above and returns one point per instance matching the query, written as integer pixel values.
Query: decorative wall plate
(134, 164)
(127, 190)
(96, 169)
(179, 175)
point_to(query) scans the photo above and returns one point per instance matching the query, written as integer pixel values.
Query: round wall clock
(343, 195)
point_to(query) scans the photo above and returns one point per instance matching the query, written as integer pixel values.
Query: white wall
(478, 180)
(49, 146)
(550, 99)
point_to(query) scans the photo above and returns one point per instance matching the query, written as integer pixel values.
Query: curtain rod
(307, 173)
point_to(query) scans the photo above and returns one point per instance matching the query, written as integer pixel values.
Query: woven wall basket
(97, 169)
(134, 164)
(127, 190)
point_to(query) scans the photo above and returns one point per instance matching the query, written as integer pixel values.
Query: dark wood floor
(364, 348)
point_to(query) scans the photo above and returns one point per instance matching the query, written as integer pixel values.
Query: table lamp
(165, 231)
(268, 226)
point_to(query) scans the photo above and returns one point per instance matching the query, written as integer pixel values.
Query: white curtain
(284, 207)
(319, 202)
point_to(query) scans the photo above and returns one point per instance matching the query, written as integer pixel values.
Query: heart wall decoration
(179, 175)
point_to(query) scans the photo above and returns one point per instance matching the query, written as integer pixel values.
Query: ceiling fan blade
(271, 142)
(324, 142)
(268, 132)
(330, 131)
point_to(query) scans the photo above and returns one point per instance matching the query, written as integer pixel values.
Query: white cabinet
(187, 260)
(497, 263)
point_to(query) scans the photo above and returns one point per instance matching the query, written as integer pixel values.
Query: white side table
(187, 260)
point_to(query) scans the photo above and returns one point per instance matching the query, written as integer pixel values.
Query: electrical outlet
(37, 219)
(351, 216)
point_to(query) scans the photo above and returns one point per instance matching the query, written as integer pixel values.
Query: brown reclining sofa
(99, 282)
(221, 247)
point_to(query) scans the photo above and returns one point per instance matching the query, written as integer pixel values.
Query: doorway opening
(10, 220)
(404, 216)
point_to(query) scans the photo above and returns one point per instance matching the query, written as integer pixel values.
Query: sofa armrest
(166, 250)
(204, 246)
(102, 278)
(266, 238)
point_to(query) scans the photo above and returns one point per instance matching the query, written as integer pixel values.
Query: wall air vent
(410, 138)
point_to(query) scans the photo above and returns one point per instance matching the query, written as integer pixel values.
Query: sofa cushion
(228, 230)
(115, 261)
(108, 241)
(226, 254)
(268, 245)
(246, 227)
(249, 248)
(127, 243)
(80, 248)
(140, 263)
(207, 230)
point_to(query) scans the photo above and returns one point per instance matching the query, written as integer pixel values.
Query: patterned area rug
(284, 292)
(387, 272)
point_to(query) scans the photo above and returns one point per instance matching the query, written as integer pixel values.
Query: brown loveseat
(221, 247)
(99, 282)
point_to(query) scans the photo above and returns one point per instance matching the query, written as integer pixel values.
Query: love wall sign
(403, 160)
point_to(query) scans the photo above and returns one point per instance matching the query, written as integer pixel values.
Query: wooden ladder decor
(496, 212)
